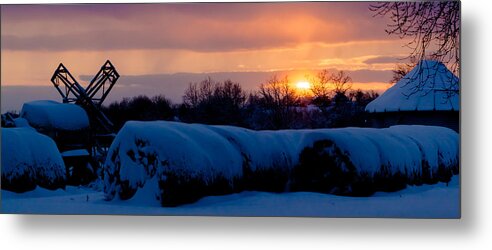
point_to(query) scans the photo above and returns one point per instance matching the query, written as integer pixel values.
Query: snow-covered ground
(427, 201)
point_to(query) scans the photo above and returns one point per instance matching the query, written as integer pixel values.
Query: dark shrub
(22, 182)
(273, 179)
(177, 189)
(386, 181)
(139, 108)
(323, 168)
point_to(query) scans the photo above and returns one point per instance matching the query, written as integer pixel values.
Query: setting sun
(303, 85)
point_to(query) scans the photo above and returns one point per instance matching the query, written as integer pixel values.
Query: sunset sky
(150, 43)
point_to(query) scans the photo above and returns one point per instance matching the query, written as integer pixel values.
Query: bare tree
(197, 93)
(277, 92)
(278, 98)
(326, 85)
(362, 98)
(341, 82)
(433, 28)
(229, 93)
(191, 95)
(212, 102)
(320, 85)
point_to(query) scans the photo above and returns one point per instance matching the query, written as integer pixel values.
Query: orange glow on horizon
(303, 85)
(303, 88)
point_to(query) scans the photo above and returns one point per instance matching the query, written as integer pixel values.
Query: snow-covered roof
(429, 86)
(51, 114)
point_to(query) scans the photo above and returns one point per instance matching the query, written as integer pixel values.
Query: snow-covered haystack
(48, 114)
(361, 161)
(267, 157)
(439, 148)
(178, 163)
(29, 159)
(181, 162)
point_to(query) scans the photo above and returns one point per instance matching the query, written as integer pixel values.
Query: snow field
(425, 201)
(176, 163)
(29, 159)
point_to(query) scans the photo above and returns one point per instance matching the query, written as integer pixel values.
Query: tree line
(276, 104)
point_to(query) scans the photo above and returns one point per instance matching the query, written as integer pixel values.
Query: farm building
(427, 95)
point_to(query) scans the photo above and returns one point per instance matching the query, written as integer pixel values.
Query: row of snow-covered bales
(179, 163)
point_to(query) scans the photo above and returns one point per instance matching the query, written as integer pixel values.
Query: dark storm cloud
(197, 27)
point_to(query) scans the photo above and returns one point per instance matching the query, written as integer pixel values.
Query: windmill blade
(105, 80)
(66, 84)
(72, 91)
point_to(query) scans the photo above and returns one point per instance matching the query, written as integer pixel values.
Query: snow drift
(178, 163)
(29, 159)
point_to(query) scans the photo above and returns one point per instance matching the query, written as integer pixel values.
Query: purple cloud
(197, 27)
